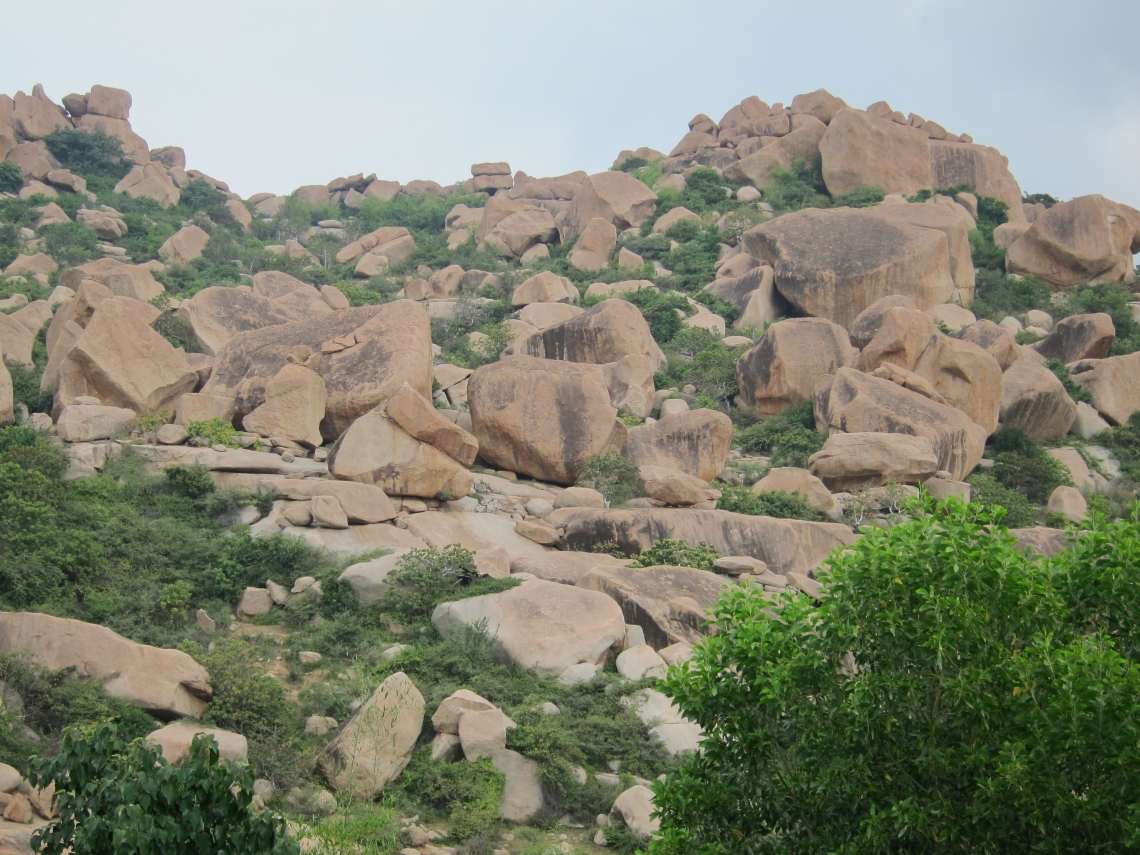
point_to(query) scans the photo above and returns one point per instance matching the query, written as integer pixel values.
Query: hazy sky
(271, 95)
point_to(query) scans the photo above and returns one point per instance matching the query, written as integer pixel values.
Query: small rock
(309, 657)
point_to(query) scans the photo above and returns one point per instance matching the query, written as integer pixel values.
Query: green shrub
(216, 431)
(861, 197)
(200, 195)
(176, 330)
(70, 242)
(424, 578)
(469, 793)
(947, 693)
(1124, 441)
(708, 186)
(90, 154)
(1025, 337)
(11, 178)
(1024, 466)
(800, 187)
(997, 295)
(122, 797)
(677, 553)
(988, 492)
(193, 482)
(790, 437)
(611, 475)
(771, 503)
(1113, 299)
(631, 163)
(1061, 372)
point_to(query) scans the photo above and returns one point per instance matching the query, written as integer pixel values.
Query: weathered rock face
(785, 545)
(392, 345)
(758, 168)
(630, 381)
(124, 363)
(541, 625)
(218, 313)
(294, 406)
(1089, 239)
(952, 224)
(175, 739)
(983, 169)
(670, 604)
(835, 263)
(130, 280)
(416, 415)
(871, 318)
(754, 293)
(858, 461)
(151, 181)
(1112, 384)
(545, 287)
(542, 417)
(363, 503)
(1036, 401)
(605, 333)
(994, 340)
(167, 683)
(615, 197)
(375, 450)
(1079, 337)
(86, 423)
(695, 442)
(514, 235)
(782, 369)
(376, 744)
(595, 245)
(35, 116)
(566, 568)
(392, 242)
(859, 403)
(861, 150)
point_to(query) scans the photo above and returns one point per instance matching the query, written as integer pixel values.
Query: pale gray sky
(271, 95)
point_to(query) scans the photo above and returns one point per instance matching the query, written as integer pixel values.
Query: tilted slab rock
(218, 313)
(165, 682)
(781, 370)
(998, 342)
(983, 169)
(294, 406)
(605, 333)
(566, 568)
(1078, 337)
(1112, 384)
(1035, 401)
(784, 545)
(411, 411)
(859, 461)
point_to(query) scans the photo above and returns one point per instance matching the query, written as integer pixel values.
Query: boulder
(675, 488)
(994, 340)
(981, 168)
(394, 243)
(630, 381)
(1113, 387)
(696, 443)
(376, 450)
(799, 482)
(634, 807)
(950, 223)
(595, 245)
(784, 545)
(545, 315)
(1088, 239)
(835, 263)
(566, 568)
(859, 461)
(130, 280)
(542, 417)
(326, 512)
(673, 216)
(412, 412)
(301, 299)
(16, 342)
(482, 733)
(670, 604)
(150, 181)
(294, 406)
(758, 168)
(1078, 337)
(861, 150)
(33, 316)
(514, 235)
(639, 662)
(392, 345)
(1068, 502)
(175, 739)
(855, 402)
(184, 245)
(615, 197)
(196, 407)
(605, 333)
(84, 423)
(540, 625)
(35, 116)
(781, 370)
(545, 287)
(819, 104)
(755, 294)
(124, 363)
(376, 743)
(218, 313)
(522, 791)
(1035, 401)
(369, 579)
(135, 148)
(452, 708)
(167, 683)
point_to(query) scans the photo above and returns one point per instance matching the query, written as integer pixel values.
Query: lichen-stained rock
(540, 625)
(784, 545)
(861, 150)
(420, 419)
(781, 370)
(695, 442)
(218, 313)
(375, 450)
(542, 417)
(1113, 385)
(124, 363)
(670, 604)
(1035, 401)
(1078, 337)
(376, 743)
(835, 263)
(605, 333)
(859, 403)
(392, 345)
(1089, 239)
(166, 682)
(983, 169)
(615, 197)
(858, 461)
(294, 406)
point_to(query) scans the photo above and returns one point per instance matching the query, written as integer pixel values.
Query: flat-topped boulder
(695, 442)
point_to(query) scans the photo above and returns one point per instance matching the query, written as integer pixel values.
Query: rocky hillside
(476, 459)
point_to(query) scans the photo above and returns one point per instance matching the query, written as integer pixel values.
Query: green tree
(949, 693)
(126, 798)
(611, 475)
(10, 177)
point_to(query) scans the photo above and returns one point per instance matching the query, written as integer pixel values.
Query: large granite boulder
(295, 399)
(781, 370)
(754, 292)
(218, 313)
(835, 263)
(861, 150)
(615, 197)
(952, 224)
(605, 333)
(695, 442)
(1113, 387)
(542, 417)
(858, 461)
(1034, 400)
(758, 168)
(785, 545)
(1078, 337)
(983, 169)
(541, 625)
(390, 345)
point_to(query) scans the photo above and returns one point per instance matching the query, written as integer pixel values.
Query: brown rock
(755, 294)
(835, 263)
(1078, 337)
(956, 229)
(595, 245)
(1035, 401)
(393, 346)
(542, 417)
(175, 739)
(416, 415)
(35, 116)
(165, 682)
(545, 287)
(295, 399)
(781, 370)
(452, 708)
(615, 197)
(694, 442)
(131, 280)
(796, 481)
(630, 381)
(185, 245)
(859, 403)
(106, 101)
(194, 407)
(1112, 384)
(363, 504)
(514, 235)
(870, 319)
(150, 181)
(605, 333)
(758, 168)
(858, 461)
(1068, 502)
(994, 340)
(16, 341)
(820, 104)
(981, 168)
(134, 147)
(218, 313)
(861, 150)
(299, 298)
